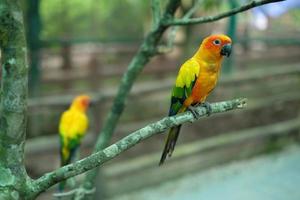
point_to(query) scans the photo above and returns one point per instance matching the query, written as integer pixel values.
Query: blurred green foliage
(211, 4)
(100, 19)
(296, 15)
(93, 18)
(125, 19)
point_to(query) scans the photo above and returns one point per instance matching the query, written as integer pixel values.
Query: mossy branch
(202, 20)
(100, 157)
(156, 14)
(162, 49)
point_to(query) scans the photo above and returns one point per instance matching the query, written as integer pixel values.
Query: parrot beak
(226, 50)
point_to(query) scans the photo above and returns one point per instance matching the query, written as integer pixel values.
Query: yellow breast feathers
(73, 124)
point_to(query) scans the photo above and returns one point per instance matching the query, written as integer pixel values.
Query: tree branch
(162, 49)
(201, 20)
(127, 142)
(155, 7)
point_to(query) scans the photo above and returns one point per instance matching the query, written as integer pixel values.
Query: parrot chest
(205, 83)
(73, 124)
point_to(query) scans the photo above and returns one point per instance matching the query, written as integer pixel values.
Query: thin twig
(201, 20)
(155, 7)
(162, 49)
(127, 142)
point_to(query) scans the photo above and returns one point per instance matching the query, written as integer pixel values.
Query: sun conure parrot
(197, 77)
(73, 125)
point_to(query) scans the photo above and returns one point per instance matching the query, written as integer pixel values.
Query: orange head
(81, 103)
(214, 47)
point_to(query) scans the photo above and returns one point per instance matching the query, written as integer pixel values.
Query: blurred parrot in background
(72, 127)
(197, 77)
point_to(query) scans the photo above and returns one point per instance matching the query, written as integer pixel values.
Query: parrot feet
(195, 113)
(208, 108)
(193, 110)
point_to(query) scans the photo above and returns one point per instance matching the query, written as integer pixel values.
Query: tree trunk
(13, 103)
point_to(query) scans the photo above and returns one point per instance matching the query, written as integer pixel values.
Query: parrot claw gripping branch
(206, 105)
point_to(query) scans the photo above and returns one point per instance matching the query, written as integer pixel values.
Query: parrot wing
(68, 148)
(184, 84)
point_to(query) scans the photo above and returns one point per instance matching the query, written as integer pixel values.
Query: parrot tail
(170, 143)
(61, 186)
(64, 161)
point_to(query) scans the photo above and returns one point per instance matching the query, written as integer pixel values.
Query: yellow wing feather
(187, 73)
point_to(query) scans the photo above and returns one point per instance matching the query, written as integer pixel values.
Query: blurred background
(85, 46)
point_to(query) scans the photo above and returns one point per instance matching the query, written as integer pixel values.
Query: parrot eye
(217, 42)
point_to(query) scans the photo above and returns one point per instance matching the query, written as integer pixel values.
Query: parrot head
(81, 102)
(215, 47)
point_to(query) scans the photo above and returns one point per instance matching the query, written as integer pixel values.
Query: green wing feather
(71, 146)
(185, 82)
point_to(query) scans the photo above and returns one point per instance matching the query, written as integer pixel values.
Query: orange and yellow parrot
(197, 77)
(73, 125)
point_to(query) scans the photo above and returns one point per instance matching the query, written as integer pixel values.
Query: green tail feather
(63, 162)
(61, 186)
(170, 143)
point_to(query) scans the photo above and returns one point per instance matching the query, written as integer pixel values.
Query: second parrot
(73, 125)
